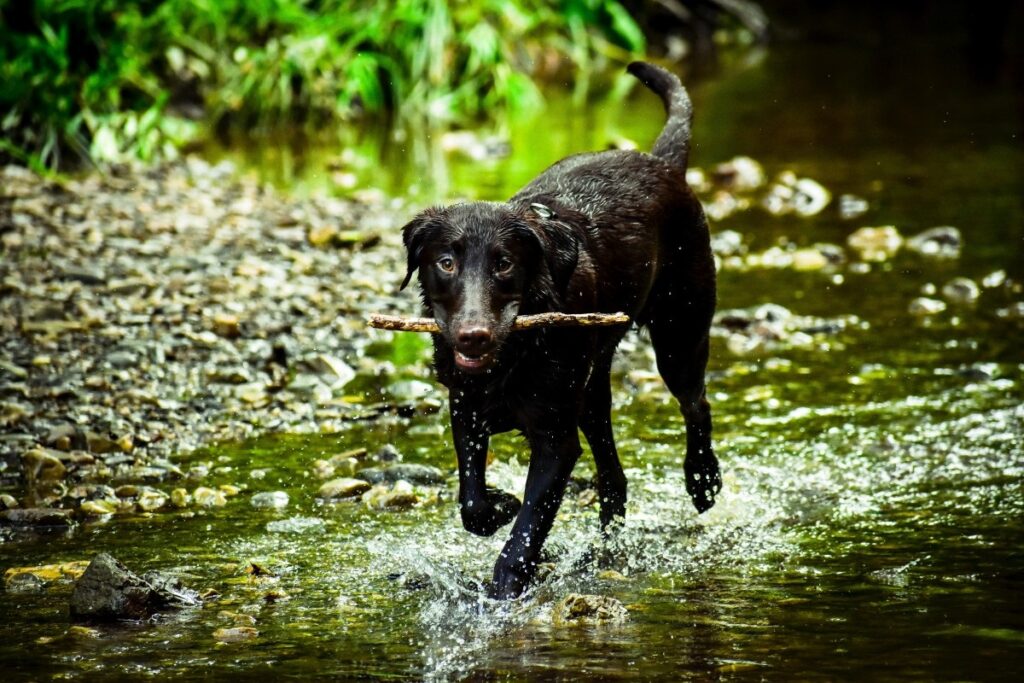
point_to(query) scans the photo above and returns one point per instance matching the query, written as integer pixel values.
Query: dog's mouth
(473, 363)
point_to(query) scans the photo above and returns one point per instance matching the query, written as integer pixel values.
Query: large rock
(108, 591)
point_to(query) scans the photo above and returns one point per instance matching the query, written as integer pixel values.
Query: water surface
(872, 520)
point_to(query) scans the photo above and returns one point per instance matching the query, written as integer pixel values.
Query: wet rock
(270, 500)
(727, 243)
(852, 206)
(227, 325)
(235, 634)
(108, 591)
(98, 508)
(387, 453)
(1014, 311)
(295, 525)
(30, 579)
(943, 242)
(151, 500)
(876, 244)
(739, 174)
(474, 146)
(36, 518)
(923, 306)
(790, 194)
(180, 498)
(961, 290)
(343, 488)
(424, 475)
(335, 372)
(41, 466)
(611, 575)
(994, 279)
(8, 502)
(578, 608)
(400, 496)
(206, 497)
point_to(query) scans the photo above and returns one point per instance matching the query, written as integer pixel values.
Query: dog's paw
(484, 517)
(703, 481)
(510, 581)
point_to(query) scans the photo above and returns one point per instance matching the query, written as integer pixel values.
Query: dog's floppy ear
(556, 244)
(414, 235)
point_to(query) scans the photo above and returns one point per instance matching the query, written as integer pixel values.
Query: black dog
(606, 232)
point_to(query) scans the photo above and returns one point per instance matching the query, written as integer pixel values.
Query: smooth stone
(8, 502)
(923, 306)
(961, 290)
(151, 500)
(206, 497)
(400, 496)
(423, 475)
(98, 508)
(343, 487)
(875, 243)
(944, 241)
(180, 498)
(270, 500)
(39, 518)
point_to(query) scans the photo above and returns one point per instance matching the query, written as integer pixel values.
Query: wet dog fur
(607, 231)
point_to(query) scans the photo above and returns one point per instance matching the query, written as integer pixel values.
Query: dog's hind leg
(596, 423)
(680, 336)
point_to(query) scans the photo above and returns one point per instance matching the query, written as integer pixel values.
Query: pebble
(923, 306)
(98, 508)
(206, 497)
(343, 488)
(180, 498)
(397, 497)
(961, 290)
(270, 500)
(876, 243)
(943, 242)
(8, 502)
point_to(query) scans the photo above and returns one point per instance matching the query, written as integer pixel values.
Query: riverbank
(147, 312)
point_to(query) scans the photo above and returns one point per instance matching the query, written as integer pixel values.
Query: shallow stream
(872, 519)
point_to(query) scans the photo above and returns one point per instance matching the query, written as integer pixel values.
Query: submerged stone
(943, 242)
(235, 634)
(923, 306)
(270, 500)
(876, 243)
(577, 608)
(961, 290)
(37, 518)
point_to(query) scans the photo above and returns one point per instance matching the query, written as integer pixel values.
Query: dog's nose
(474, 339)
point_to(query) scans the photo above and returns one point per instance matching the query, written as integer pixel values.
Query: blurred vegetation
(108, 80)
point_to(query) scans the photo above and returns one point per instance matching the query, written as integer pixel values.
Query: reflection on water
(873, 510)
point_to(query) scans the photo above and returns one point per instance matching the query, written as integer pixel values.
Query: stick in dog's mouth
(523, 322)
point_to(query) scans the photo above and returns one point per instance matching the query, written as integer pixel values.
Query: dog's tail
(673, 145)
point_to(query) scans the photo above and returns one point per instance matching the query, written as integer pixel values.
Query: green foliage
(106, 78)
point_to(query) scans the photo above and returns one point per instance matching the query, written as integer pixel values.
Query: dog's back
(641, 216)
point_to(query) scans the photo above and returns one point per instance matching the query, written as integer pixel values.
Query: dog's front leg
(553, 456)
(483, 510)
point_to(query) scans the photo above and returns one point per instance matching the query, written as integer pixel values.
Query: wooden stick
(523, 322)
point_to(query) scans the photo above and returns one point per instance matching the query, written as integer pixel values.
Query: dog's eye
(503, 265)
(447, 264)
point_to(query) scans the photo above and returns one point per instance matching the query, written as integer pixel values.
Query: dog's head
(480, 264)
